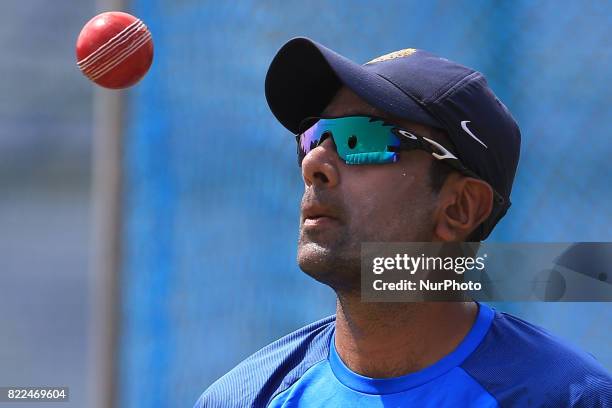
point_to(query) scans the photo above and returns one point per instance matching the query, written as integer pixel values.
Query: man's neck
(382, 340)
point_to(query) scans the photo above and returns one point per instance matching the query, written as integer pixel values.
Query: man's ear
(463, 204)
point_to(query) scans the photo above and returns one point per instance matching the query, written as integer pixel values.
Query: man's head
(416, 198)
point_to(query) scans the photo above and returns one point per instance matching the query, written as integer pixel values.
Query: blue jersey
(502, 362)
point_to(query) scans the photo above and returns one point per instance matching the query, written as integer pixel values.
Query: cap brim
(304, 76)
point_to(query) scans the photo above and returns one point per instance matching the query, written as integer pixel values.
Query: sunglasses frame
(408, 141)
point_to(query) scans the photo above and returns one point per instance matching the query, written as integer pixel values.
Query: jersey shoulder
(521, 364)
(271, 370)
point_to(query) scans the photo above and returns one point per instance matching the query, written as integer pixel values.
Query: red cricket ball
(114, 50)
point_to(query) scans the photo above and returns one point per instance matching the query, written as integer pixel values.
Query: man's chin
(313, 255)
(327, 265)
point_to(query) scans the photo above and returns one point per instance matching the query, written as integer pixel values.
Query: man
(406, 148)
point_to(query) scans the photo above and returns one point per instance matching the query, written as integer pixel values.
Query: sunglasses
(372, 140)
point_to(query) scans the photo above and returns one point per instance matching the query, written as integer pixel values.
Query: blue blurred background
(211, 188)
(45, 170)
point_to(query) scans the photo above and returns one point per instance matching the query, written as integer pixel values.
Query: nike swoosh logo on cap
(469, 132)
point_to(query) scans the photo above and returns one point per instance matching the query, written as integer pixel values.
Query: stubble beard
(334, 257)
(335, 263)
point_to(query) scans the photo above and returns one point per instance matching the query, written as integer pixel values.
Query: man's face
(344, 205)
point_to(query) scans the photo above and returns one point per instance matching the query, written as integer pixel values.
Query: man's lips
(315, 215)
(319, 221)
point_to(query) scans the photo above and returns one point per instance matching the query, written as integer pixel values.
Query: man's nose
(320, 166)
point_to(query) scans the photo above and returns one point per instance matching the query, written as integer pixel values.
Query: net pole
(103, 330)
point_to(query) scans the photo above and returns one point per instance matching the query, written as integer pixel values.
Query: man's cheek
(368, 222)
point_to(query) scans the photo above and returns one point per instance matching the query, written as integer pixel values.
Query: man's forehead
(348, 103)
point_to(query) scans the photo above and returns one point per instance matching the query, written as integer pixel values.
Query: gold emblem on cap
(392, 55)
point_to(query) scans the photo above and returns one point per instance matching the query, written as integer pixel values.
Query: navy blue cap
(411, 84)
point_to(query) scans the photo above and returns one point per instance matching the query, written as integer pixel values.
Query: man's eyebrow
(357, 112)
(396, 121)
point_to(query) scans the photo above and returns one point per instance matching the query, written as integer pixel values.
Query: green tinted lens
(358, 140)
